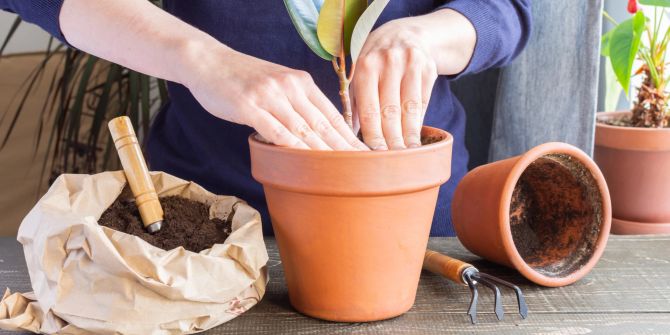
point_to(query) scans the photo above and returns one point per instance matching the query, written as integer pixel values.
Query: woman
(236, 66)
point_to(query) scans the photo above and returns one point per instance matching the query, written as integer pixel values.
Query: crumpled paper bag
(91, 279)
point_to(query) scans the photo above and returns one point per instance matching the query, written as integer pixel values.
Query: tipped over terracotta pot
(545, 213)
(352, 227)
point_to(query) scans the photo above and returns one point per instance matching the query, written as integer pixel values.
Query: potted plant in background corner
(351, 226)
(633, 147)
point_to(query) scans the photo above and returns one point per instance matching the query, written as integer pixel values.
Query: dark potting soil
(186, 223)
(425, 140)
(624, 121)
(555, 215)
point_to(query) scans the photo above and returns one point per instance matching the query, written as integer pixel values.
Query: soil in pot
(186, 224)
(555, 215)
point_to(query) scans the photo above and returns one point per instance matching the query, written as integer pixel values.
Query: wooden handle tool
(446, 266)
(463, 273)
(137, 173)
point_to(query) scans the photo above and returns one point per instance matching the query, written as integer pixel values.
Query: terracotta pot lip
(630, 138)
(443, 144)
(510, 183)
(622, 128)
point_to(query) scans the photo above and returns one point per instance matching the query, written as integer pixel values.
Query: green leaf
(304, 15)
(661, 3)
(612, 88)
(623, 46)
(336, 24)
(605, 44)
(144, 103)
(364, 26)
(354, 11)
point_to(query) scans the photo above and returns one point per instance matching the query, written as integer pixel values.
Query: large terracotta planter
(545, 213)
(352, 227)
(636, 163)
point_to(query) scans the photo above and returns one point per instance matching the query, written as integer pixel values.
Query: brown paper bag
(91, 279)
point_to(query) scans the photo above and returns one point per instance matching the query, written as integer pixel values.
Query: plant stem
(341, 70)
(610, 18)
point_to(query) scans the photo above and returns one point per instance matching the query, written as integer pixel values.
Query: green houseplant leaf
(623, 46)
(661, 3)
(364, 26)
(605, 44)
(337, 19)
(304, 15)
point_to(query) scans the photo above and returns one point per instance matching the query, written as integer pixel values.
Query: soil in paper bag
(186, 224)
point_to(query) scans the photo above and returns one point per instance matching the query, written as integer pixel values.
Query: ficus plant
(642, 38)
(334, 29)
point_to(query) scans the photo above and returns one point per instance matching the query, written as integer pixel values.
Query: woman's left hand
(396, 70)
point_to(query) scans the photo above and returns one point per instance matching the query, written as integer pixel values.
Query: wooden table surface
(627, 293)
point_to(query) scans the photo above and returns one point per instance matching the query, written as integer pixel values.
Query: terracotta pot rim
(447, 141)
(510, 183)
(630, 138)
(601, 115)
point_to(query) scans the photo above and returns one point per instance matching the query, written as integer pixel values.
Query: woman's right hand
(284, 105)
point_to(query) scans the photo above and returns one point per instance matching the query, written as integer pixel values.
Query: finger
(336, 120)
(367, 102)
(283, 111)
(391, 114)
(427, 83)
(412, 109)
(275, 132)
(356, 124)
(317, 120)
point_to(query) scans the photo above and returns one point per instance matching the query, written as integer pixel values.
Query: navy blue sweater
(190, 143)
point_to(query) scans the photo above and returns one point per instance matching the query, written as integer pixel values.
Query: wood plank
(415, 322)
(628, 292)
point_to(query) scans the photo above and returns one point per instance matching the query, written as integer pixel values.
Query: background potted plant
(351, 226)
(633, 147)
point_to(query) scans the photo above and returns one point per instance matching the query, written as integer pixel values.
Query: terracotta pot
(352, 227)
(545, 213)
(636, 163)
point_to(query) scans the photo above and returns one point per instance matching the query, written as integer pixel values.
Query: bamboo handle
(446, 266)
(135, 168)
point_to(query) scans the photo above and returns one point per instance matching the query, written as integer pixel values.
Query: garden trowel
(137, 173)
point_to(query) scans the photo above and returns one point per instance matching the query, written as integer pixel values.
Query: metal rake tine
(498, 309)
(523, 307)
(472, 311)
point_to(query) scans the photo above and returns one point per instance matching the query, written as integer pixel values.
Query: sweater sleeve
(502, 26)
(43, 13)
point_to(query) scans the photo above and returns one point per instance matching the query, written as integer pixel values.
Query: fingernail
(414, 145)
(380, 147)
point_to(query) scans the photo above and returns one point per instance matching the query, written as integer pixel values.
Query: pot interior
(556, 215)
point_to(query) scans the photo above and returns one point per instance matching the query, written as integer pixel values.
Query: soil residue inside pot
(186, 223)
(556, 215)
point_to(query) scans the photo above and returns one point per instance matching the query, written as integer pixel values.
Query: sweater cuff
(44, 13)
(485, 23)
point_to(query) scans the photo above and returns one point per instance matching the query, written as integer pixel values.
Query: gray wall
(28, 38)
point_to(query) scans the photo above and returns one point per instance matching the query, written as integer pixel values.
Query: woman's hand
(284, 105)
(396, 70)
